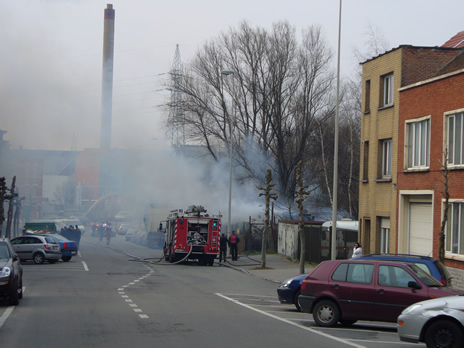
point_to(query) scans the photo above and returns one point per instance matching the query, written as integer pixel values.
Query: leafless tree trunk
(302, 195)
(446, 177)
(268, 195)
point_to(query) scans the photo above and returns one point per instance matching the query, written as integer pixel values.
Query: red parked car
(349, 290)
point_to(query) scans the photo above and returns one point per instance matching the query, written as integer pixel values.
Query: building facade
(432, 139)
(413, 103)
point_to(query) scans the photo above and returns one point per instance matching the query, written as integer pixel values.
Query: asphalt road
(120, 296)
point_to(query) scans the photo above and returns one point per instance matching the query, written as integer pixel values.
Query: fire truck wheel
(211, 261)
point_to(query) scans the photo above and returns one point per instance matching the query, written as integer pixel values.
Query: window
(455, 131)
(354, 273)
(386, 158)
(418, 134)
(454, 239)
(366, 161)
(367, 97)
(386, 89)
(394, 276)
(384, 235)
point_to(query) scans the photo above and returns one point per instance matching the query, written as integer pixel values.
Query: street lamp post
(229, 230)
(333, 246)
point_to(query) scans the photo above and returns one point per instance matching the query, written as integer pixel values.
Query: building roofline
(414, 47)
(433, 79)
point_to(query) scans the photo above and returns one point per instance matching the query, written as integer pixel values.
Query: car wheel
(39, 258)
(13, 297)
(66, 258)
(444, 333)
(346, 322)
(296, 300)
(326, 313)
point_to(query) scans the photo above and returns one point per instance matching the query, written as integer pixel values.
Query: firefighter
(223, 248)
(108, 234)
(233, 241)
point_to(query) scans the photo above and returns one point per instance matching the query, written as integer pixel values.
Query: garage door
(420, 229)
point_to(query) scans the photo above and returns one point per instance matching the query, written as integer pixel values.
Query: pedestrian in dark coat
(223, 248)
(78, 235)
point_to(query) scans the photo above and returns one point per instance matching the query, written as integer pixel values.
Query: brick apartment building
(413, 104)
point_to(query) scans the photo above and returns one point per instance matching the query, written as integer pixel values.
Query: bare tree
(445, 181)
(302, 195)
(280, 87)
(268, 195)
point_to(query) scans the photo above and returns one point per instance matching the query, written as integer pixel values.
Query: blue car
(428, 264)
(289, 291)
(68, 247)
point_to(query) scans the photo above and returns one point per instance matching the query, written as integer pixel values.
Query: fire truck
(192, 234)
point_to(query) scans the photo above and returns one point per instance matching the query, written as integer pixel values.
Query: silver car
(438, 322)
(37, 248)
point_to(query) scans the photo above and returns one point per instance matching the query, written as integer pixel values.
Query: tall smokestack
(107, 80)
(107, 100)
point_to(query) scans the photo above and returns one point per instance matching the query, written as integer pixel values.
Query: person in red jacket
(233, 241)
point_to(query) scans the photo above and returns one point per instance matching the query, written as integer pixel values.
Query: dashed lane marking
(128, 300)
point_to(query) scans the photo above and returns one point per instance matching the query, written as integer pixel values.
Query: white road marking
(128, 300)
(288, 321)
(6, 314)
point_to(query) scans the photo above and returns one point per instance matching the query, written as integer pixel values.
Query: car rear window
(443, 271)
(50, 240)
(423, 267)
(354, 273)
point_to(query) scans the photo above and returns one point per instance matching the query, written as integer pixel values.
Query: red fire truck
(192, 234)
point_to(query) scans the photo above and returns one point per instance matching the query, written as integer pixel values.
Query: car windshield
(424, 276)
(4, 254)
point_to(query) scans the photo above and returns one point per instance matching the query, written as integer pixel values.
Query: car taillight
(46, 246)
(65, 245)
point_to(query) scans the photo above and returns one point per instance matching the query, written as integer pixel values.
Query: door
(23, 247)
(351, 284)
(420, 229)
(392, 291)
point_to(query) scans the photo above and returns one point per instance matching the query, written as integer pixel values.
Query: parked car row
(383, 288)
(290, 289)
(136, 236)
(11, 273)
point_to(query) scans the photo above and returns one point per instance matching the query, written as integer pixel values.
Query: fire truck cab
(192, 234)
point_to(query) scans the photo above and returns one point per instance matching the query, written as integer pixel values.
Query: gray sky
(51, 55)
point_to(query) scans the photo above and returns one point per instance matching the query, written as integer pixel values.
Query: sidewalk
(278, 267)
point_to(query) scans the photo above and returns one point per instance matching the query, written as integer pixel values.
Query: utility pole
(2, 200)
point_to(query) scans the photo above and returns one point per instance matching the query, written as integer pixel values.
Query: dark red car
(349, 290)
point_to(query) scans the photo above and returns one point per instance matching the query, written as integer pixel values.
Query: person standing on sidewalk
(223, 248)
(233, 241)
(357, 251)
